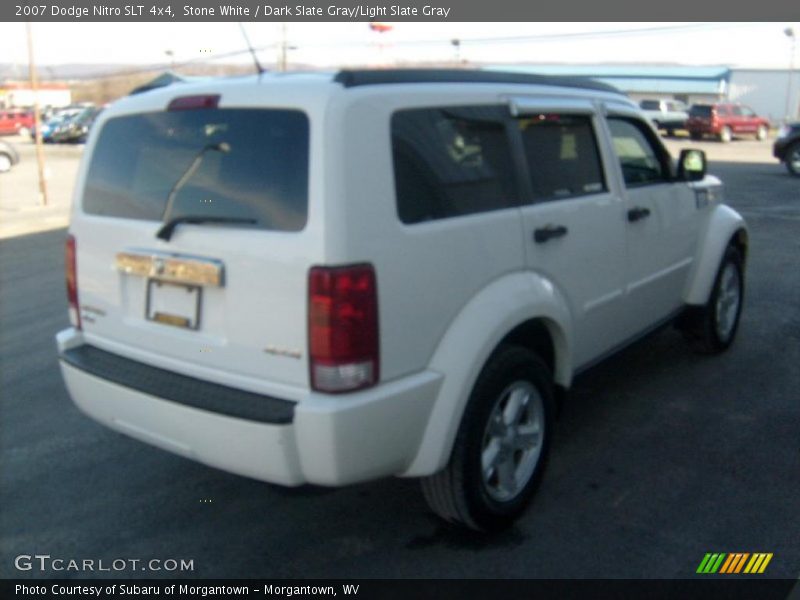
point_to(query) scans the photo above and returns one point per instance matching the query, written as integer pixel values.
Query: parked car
(724, 121)
(666, 114)
(787, 147)
(8, 156)
(15, 122)
(75, 129)
(51, 125)
(331, 278)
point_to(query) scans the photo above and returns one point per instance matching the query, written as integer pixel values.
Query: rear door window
(239, 163)
(562, 156)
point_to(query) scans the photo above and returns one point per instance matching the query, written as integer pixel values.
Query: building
(769, 92)
(18, 94)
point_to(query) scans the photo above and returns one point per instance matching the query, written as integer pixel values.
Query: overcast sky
(734, 44)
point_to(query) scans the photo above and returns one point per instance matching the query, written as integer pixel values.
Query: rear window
(239, 163)
(700, 110)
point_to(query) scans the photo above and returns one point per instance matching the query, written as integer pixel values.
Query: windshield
(262, 174)
(650, 104)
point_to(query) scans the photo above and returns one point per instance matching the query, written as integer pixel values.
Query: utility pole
(790, 114)
(37, 116)
(283, 49)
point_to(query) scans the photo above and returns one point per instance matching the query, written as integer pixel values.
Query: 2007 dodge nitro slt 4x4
(330, 278)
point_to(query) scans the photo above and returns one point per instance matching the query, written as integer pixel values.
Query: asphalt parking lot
(660, 455)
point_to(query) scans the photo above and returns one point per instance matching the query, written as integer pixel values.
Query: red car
(15, 122)
(724, 120)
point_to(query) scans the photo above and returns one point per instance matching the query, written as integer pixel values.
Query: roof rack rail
(358, 77)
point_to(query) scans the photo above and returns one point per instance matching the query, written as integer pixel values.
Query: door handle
(540, 236)
(637, 213)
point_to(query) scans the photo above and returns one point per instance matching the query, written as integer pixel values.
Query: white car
(331, 278)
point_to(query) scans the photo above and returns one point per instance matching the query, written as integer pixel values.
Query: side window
(562, 156)
(451, 161)
(642, 161)
(723, 110)
(747, 112)
(737, 111)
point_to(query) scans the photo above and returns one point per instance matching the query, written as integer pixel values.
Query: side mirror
(692, 165)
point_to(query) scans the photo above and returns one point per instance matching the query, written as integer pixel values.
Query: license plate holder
(174, 304)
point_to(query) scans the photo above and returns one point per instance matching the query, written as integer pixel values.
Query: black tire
(792, 159)
(695, 135)
(706, 329)
(5, 162)
(463, 492)
(670, 133)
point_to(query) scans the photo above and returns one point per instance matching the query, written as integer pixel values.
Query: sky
(757, 45)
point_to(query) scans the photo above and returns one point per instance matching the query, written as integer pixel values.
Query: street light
(789, 32)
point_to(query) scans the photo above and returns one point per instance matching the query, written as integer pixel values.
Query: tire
(725, 135)
(695, 135)
(507, 423)
(792, 159)
(761, 133)
(24, 131)
(5, 163)
(670, 133)
(712, 328)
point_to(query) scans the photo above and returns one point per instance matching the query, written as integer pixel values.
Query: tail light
(343, 328)
(71, 271)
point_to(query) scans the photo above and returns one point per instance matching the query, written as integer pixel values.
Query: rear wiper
(165, 233)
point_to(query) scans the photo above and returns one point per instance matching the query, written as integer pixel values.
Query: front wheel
(761, 133)
(726, 135)
(793, 159)
(713, 327)
(501, 447)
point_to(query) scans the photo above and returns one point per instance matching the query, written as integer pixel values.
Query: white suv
(331, 278)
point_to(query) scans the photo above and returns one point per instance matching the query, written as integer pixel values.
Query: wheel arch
(724, 227)
(520, 308)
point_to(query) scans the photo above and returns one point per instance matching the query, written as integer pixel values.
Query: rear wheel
(793, 159)
(761, 133)
(726, 135)
(501, 447)
(695, 135)
(712, 328)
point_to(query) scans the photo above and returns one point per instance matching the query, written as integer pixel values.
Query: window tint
(650, 105)
(562, 156)
(700, 110)
(641, 161)
(737, 111)
(450, 162)
(252, 164)
(747, 112)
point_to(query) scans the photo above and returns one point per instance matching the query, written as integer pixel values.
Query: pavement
(22, 208)
(659, 457)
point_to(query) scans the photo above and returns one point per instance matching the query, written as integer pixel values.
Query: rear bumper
(325, 440)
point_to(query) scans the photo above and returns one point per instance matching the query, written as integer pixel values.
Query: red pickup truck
(724, 121)
(15, 122)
